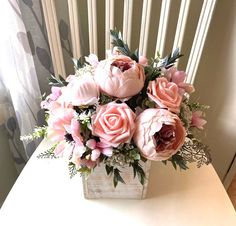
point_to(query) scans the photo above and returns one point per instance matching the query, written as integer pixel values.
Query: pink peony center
(123, 66)
(165, 137)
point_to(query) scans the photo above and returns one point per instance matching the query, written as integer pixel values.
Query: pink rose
(113, 124)
(159, 134)
(81, 90)
(62, 125)
(197, 119)
(165, 94)
(120, 76)
(178, 77)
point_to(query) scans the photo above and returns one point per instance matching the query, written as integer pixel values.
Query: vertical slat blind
(109, 21)
(53, 37)
(127, 20)
(162, 29)
(92, 22)
(145, 23)
(180, 29)
(199, 39)
(74, 28)
(197, 46)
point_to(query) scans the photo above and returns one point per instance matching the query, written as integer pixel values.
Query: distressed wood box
(99, 185)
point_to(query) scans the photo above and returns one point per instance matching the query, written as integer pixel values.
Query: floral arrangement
(123, 110)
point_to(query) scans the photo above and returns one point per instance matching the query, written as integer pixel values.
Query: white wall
(216, 85)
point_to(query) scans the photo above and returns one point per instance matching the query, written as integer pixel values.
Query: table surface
(45, 195)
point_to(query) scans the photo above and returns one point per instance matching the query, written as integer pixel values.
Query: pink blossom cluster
(158, 132)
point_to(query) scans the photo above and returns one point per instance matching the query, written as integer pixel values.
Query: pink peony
(113, 124)
(159, 134)
(81, 90)
(178, 77)
(197, 119)
(61, 123)
(165, 94)
(120, 76)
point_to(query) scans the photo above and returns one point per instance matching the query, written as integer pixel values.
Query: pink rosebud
(56, 92)
(113, 124)
(51, 100)
(120, 76)
(159, 134)
(165, 94)
(92, 59)
(95, 154)
(81, 90)
(178, 77)
(197, 119)
(91, 143)
(143, 60)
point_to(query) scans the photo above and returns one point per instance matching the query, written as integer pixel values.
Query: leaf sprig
(119, 43)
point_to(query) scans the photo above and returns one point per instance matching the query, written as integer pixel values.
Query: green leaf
(178, 160)
(138, 170)
(72, 169)
(59, 82)
(118, 42)
(117, 177)
(79, 63)
(49, 154)
(109, 169)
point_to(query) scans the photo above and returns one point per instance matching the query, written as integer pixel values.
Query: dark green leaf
(117, 177)
(59, 82)
(109, 169)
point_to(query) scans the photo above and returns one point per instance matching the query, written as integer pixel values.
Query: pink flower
(159, 134)
(98, 148)
(81, 90)
(113, 124)
(92, 59)
(50, 101)
(120, 76)
(197, 119)
(80, 162)
(165, 94)
(65, 149)
(178, 77)
(143, 60)
(61, 122)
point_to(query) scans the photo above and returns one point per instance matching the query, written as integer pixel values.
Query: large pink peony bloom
(62, 123)
(159, 134)
(81, 90)
(120, 76)
(165, 94)
(178, 77)
(113, 123)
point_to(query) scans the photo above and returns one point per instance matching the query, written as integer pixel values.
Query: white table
(45, 195)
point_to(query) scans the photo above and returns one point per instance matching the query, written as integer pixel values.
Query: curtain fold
(20, 92)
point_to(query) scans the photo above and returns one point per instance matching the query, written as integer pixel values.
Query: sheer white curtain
(20, 88)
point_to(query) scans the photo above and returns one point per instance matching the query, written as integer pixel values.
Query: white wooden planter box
(100, 185)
